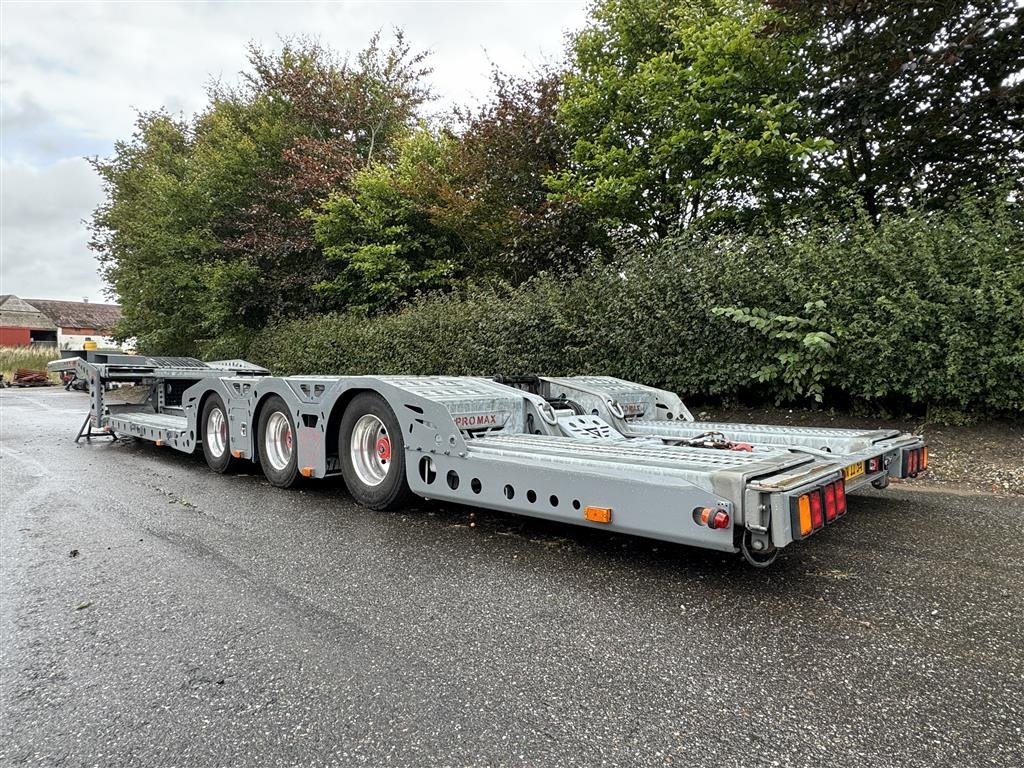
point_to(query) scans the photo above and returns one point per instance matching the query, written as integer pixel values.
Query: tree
(499, 201)
(380, 231)
(151, 236)
(214, 204)
(681, 110)
(453, 206)
(922, 100)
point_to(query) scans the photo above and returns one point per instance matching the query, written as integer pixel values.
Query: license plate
(854, 470)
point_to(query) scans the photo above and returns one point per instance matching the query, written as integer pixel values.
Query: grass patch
(34, 358)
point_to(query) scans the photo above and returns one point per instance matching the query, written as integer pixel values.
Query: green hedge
(926, 309)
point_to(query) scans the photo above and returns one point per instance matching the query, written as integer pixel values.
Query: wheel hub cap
(278, 441)
(370, 450)
(217, 432)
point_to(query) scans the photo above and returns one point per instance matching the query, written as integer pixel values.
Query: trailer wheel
(276, 434)
(215, 436)
(372, 454)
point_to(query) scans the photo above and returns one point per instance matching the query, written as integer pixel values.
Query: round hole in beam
(453, 479)
(510, 492)
(475, 485)
(554, 500)
(531, 496)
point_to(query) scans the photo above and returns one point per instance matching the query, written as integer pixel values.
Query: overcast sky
(74, 74)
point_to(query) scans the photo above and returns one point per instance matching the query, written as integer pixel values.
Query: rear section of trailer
(593, 451)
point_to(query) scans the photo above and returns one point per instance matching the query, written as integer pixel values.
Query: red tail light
(840, 498)
(817, 520)
(830, 502)
(915, 461)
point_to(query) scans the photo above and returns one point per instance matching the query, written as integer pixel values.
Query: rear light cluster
(915, 461)
(873, 465)
(810, 511)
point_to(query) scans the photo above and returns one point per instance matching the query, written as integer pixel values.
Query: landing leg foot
(86, 431)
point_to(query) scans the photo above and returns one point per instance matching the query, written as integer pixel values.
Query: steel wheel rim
(278, 441)
(217, 432)
(370, 450)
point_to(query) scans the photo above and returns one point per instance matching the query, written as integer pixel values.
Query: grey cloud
(42, 243)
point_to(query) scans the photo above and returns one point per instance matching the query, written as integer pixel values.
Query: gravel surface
(156, 614)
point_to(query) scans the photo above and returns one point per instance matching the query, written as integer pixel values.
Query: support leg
(86, 431)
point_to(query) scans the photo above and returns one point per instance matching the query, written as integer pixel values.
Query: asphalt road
(216, 621)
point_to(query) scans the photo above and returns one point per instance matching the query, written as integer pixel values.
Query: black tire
(393, 491)
(287, 473)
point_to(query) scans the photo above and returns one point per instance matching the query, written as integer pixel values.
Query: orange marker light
(598, 514)
(804, 506)
(306, 471)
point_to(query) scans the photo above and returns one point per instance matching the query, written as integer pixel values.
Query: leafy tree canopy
(453, 206)
(922, 100)
(682, 110)
(201, 235)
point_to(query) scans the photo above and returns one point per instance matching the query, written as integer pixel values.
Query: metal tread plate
(626, 452)
(176, 362)
(164, 421)
(836, 439)
(453, 388)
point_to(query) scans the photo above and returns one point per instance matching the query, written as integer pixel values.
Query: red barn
(64, 324)
(78, 320)
(22, 324)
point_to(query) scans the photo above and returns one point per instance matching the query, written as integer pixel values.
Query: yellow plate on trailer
(854, 470)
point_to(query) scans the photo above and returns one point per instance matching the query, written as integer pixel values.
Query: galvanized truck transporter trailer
(590, 450)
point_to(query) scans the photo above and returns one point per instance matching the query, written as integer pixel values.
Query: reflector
(598, 514)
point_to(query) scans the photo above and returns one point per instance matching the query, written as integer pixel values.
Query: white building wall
(75, 341)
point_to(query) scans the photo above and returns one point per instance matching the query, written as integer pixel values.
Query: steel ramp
(701, 467)
(160, 427)
(839, 441)
(640, 411)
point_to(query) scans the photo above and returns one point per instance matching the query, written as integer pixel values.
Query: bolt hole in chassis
(590, 450)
